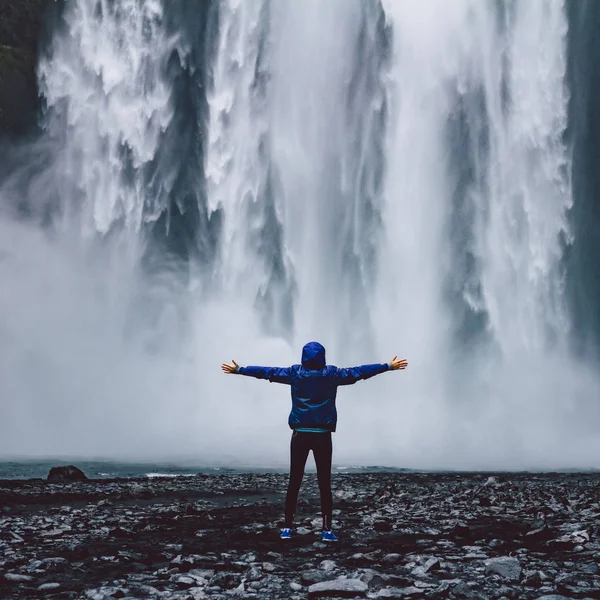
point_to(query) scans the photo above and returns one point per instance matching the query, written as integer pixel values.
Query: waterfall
(385, 177)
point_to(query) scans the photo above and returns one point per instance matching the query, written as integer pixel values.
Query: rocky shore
(401, 536)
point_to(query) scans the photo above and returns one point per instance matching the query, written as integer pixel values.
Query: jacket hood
(313, 356)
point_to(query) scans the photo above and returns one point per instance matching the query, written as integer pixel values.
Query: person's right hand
(399, 364)
(229, 369)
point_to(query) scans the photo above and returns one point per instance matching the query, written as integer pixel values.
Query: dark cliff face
(583, 267)
(20, 33)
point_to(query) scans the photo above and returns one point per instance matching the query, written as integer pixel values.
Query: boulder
(68, 473)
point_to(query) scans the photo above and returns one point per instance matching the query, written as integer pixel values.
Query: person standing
(313, 418)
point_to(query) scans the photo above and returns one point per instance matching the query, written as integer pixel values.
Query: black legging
(302, 443)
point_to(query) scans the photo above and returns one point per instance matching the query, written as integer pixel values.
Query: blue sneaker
(286, 533)
(329, 536)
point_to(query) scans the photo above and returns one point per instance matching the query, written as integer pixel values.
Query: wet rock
(429, 565)
(183, 581)
(49, 587)
(461, 590)
(590, 568)
(310, 577)
(460, 530)
(532, 579)
(254, 574)
(507, 567)
(68, 473)
(18, 578)
(339, 588)
(327, 565)
(225, 580)
(391, 558)
(15, 537)
(398, 593)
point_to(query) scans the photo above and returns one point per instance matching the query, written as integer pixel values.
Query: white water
(366, 265)
(104, 86)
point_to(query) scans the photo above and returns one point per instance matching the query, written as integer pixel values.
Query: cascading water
(383, 177)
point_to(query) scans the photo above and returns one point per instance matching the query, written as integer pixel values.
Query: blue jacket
(314, 385)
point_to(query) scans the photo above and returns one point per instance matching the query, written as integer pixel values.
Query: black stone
(68, 473)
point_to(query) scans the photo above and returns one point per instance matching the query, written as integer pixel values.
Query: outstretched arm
(273, 374)
(354, 374)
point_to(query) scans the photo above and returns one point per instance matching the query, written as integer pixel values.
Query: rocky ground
(401, 536)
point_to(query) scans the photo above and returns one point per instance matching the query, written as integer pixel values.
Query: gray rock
(183, 581)
(407, 592)
(391, 558)
(328, 565)
(368, 576)
(310, 577)
(249, 558)
(201, 573)
(552, 597)
(295, 587)
(18, 578)
(16, 538)
(49, 587)
(461, 590)
(339, 588)
(225, 580)
(430, 564)
(102, 593)
(591, 568)
(54, 561)
(505, 566)
(254, 574)
(52, 533)
(532, 579)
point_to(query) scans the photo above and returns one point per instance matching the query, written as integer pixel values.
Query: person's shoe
(329, 536)
(286, 533)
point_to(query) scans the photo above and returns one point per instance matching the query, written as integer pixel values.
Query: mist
(386, 178)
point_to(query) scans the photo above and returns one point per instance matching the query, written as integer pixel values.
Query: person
(313, 418)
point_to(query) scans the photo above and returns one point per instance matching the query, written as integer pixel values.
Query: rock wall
(21, 24)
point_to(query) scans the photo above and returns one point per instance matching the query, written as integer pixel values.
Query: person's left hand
(229, 369)
(399, 365)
